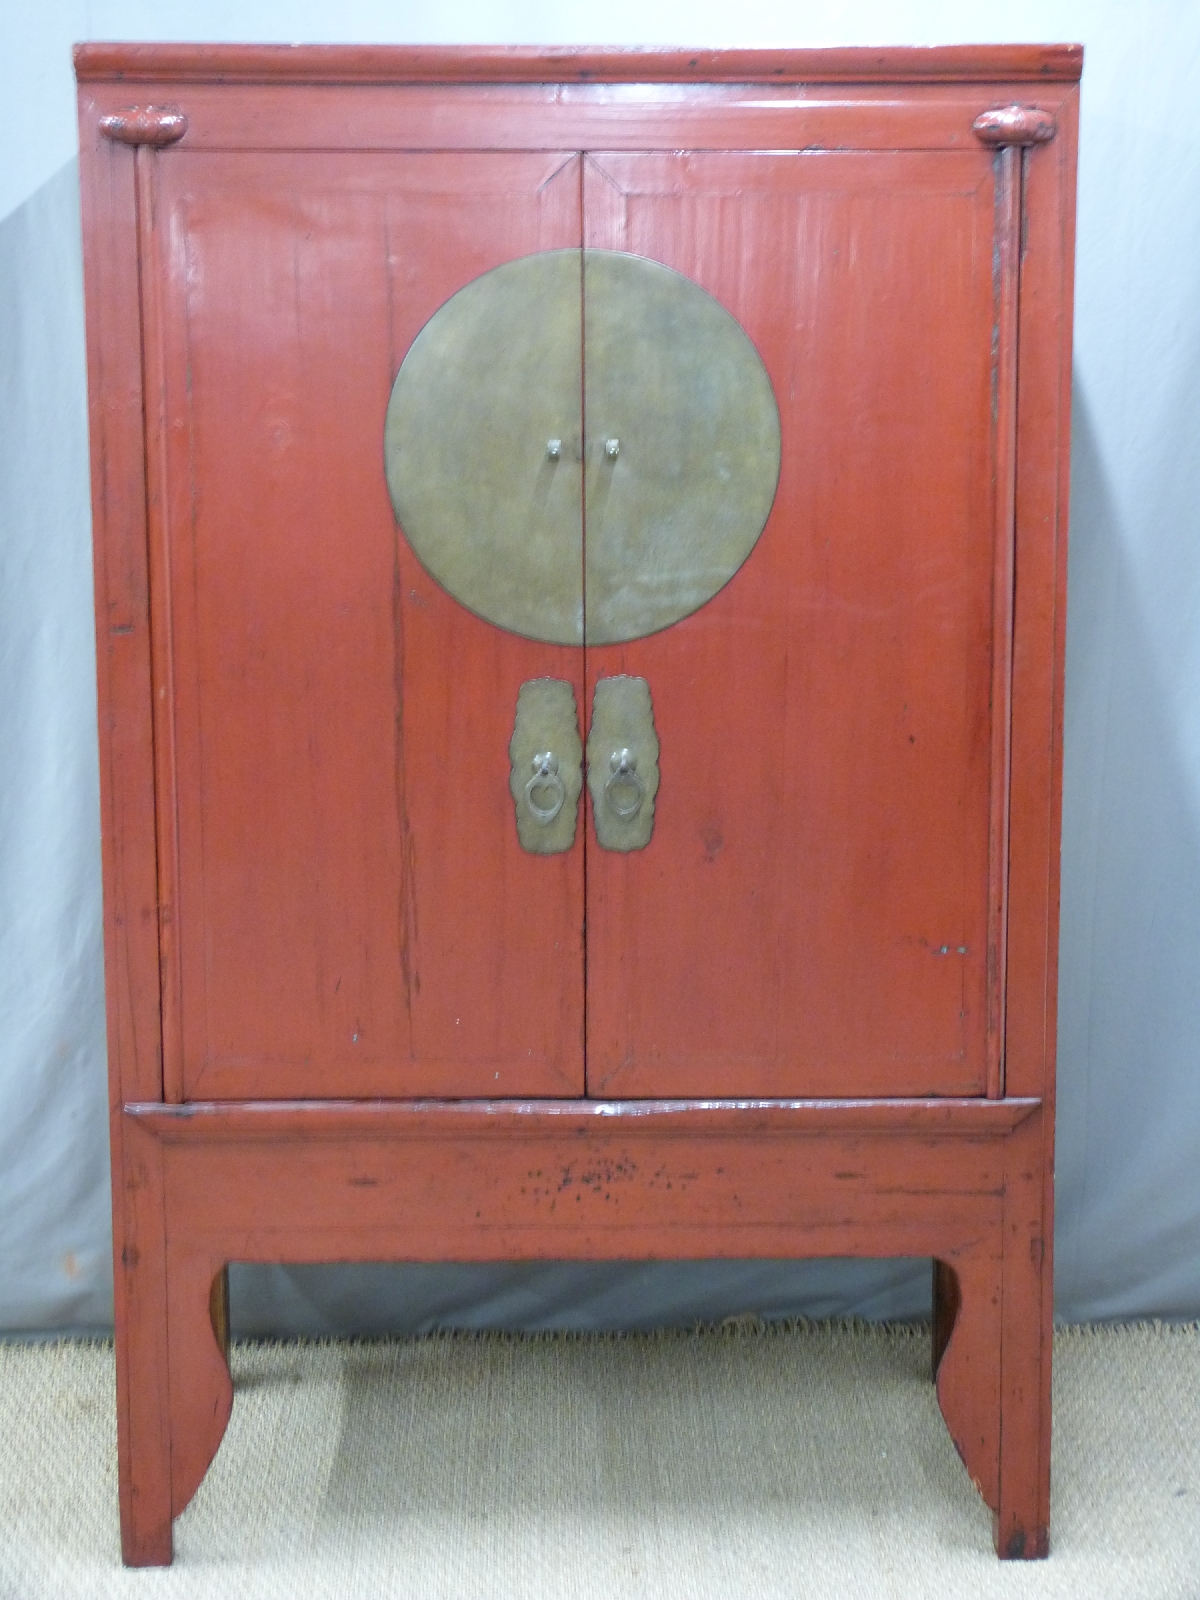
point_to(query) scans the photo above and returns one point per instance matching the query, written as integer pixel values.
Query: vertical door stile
(585, 710)
(1007, 258)
(150, 267)
(586, 163)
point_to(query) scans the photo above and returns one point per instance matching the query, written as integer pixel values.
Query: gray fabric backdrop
(1128, 1237)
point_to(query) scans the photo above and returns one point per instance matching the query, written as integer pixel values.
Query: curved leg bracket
(966, 1324)
(992, 1374)
(201, 1389)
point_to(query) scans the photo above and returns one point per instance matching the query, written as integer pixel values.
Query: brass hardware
(485, 415)
(673, 382)
(545, 780)
(622, 753)
(547, 766)
(488, 385)
(624, 782)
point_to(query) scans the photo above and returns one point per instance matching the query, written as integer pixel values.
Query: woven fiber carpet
(749, 1460)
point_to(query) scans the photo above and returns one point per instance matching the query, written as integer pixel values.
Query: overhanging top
(395, 64)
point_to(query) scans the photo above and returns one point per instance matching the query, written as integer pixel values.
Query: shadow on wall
(416, 1298)
(1128, 1189)
(55, 1253)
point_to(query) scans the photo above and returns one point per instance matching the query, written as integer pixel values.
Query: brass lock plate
(546, 779)
(622, 753)
(494, 484)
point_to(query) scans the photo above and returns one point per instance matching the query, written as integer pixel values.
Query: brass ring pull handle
(546, 782)
(624, 790)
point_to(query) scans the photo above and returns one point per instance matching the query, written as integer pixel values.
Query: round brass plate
(506, 503)
(676, 381)
(490, 379)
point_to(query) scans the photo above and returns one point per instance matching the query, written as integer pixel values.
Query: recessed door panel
(811, 914)
(357, 914)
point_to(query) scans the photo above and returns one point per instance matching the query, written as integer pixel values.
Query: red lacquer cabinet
(580, 545)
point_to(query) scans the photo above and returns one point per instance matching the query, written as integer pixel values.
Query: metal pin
(554, 448)
(612, 448)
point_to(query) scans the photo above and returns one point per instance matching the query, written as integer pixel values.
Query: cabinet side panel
(127, 823)
(1043, 468)
(122, 613)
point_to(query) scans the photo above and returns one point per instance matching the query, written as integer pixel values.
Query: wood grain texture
(162, 613)
(385, 64)
(125, 721)
(127, 801)
(993, 1296)
(1043, 431)
(327, 703)
(815, 913)
(545, 1187)
(1035, 811)
(1022, 1521)
(144, 1416)
(1006, 272)
(596, 116)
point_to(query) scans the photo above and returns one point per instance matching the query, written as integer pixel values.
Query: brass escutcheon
(547, 766)
(622, 753)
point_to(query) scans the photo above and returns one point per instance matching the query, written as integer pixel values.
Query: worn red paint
(346, 1011)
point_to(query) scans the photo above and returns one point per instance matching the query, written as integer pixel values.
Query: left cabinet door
(347, 908)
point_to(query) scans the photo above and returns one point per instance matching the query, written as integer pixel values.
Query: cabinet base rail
(960, 1181)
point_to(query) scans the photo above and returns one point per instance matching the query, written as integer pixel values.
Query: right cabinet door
(814, 912)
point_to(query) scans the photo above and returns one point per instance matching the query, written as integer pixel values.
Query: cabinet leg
(140, 1315)
(991, 1350)
(174, 1392)
(1022, 1522)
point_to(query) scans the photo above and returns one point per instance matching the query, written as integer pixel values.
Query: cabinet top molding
(396, 64)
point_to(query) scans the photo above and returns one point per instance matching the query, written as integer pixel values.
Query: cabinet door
(347, 910)
(812, 915)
